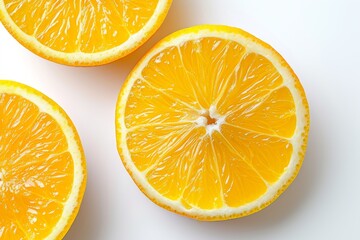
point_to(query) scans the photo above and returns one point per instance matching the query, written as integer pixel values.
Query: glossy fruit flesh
(80, 26)
(42, 167)
(209, 122)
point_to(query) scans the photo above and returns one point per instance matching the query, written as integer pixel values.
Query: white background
(320, 40)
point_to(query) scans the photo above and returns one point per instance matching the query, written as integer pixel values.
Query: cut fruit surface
(83, 32)
(42, 166)
(212, 123)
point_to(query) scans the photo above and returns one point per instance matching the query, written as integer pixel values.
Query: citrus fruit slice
(82, 33)
(42, 166)
(212, 123)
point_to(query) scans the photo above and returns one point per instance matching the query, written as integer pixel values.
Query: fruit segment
(148, 144)
(150, 105)
(171, 76)
(203, 188)
(11, 230)
(268, 156)
(209, 63)
(274, 114)
(170, 176)
(136, 13)
(35, 214)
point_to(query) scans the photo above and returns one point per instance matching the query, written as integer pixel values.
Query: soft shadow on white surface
(104, 83)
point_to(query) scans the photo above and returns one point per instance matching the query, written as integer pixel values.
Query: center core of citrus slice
(210, 119)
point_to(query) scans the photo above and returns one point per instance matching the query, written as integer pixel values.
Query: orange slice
(42, 166)
(83, 33)
(212, 123)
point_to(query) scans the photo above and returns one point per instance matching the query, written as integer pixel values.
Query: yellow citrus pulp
(212, 123)
(83, 33)
(42, 166)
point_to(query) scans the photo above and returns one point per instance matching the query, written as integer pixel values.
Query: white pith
(73, 148)
(76, 57)
(202, 121)
(297, 139)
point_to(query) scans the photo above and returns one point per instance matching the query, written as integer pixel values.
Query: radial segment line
(25, 130)
(219, 58)
(187, 133)
(189, 171)
(121, 15)
(222, 90)
(168, 95)
(47, 198)
(169, 79)
(262, 99)
(256, 132)
(79, 24)
(16, 222)
(187, 75)
(40, 20)
(244, 160)
(218, 171)
(159, 124)
(38, 162)
(236, 68)
(258, 82)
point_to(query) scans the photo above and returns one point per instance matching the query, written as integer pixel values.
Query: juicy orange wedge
(42, 166)
(212, 123)
(83, 32)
